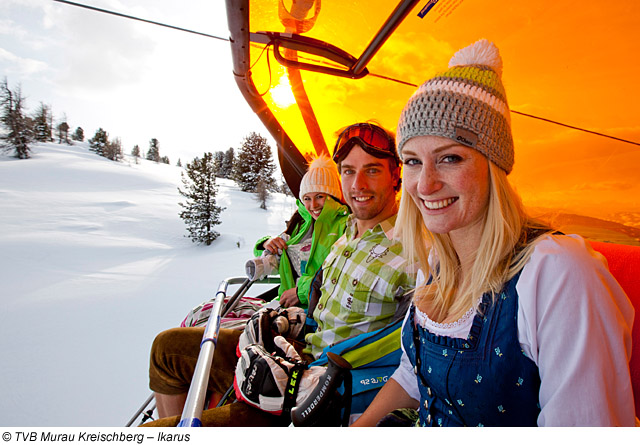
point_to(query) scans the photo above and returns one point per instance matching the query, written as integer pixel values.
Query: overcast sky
(137, 81)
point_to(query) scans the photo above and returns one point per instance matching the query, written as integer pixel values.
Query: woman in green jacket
(313, 229)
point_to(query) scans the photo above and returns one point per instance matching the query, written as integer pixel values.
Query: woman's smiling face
(448, 182)
(314, 202)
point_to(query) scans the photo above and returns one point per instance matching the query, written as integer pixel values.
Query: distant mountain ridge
(591, 228)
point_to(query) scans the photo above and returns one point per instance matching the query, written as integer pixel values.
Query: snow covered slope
(93, 263)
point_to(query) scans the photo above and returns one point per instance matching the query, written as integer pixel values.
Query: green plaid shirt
(364, 284)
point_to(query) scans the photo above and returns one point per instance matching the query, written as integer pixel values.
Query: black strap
(291, 390)
(346, 397)
(314, 293)
(265, 329)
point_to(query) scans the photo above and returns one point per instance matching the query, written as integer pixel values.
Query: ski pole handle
(315, 405)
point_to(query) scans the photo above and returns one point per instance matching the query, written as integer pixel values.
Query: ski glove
(267, 323)
(258, 268)
(274, 382)
(267, 264)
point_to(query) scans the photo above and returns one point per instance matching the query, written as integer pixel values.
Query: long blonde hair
(503, 251)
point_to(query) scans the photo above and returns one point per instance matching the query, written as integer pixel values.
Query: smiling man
(365, 284)
(364, 277)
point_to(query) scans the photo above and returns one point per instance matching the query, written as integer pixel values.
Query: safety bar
(140, 410)
(194, 404)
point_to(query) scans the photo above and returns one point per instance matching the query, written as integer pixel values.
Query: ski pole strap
(309, 412)
(346, 397)
(291, 390)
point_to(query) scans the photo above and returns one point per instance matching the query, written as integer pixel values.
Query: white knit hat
(322, 177)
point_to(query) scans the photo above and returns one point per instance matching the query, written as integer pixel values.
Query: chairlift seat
(624, 264)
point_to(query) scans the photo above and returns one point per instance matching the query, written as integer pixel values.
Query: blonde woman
(513, 325)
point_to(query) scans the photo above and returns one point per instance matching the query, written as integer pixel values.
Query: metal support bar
(243, 289)
(144, 405)
(395, 19)
(198, 390)
(233, 301)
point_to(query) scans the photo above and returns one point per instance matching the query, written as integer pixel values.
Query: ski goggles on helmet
(373, 139)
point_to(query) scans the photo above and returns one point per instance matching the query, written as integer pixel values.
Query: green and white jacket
(327, 229)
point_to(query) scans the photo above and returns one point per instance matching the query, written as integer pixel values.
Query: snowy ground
(93, 263)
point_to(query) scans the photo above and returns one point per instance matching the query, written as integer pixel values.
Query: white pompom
(322, 161)
(483, 52)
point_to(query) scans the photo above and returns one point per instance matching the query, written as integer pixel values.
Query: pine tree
(78, 135)
(218, 160)
(179, 163)
(165, 160)
(226, 169)
(153, 154)
(99, 141)
(135, 152)
(17, 125)
(254, 162)
(200, 212)
(41, 127)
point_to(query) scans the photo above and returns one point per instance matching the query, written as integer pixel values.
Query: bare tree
(113, 150)
(262, 192)
(13, 119)
(63, 131)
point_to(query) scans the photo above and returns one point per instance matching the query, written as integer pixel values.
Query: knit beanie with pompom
(322, 177)
(467, 103)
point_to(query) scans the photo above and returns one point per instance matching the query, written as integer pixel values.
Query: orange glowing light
(282, 94)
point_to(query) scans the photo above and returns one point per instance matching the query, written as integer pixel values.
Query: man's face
(368, 187)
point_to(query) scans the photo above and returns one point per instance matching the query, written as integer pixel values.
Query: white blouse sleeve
(574, 321)
(404, 374)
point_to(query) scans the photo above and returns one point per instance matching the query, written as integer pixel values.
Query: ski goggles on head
(373, 139)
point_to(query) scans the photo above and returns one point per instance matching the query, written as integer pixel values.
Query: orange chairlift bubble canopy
(309, 68)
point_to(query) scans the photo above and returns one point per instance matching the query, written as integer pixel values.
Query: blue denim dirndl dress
(483, 380)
